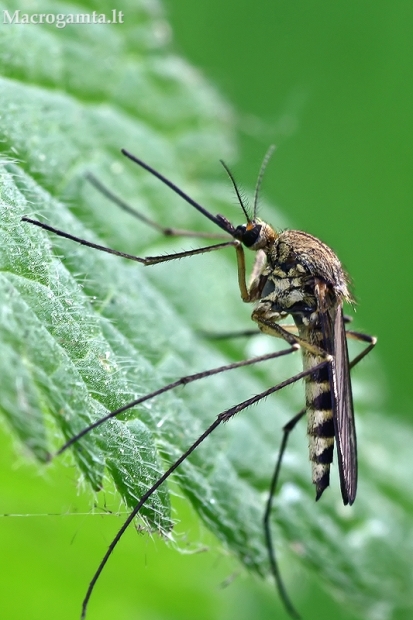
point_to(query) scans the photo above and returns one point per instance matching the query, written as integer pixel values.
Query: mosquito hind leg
(360, 337)
(287, 429)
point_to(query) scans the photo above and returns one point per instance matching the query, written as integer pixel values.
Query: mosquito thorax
(255, 235)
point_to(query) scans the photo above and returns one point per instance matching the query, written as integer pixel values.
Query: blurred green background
(331, 85)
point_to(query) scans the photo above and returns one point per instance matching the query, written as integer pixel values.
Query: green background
(330, 84)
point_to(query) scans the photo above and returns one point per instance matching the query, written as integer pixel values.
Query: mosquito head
(255, 235)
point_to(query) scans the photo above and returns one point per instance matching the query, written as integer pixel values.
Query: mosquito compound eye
(240, 231)
(249, 235)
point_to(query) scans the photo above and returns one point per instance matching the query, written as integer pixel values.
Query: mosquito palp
(294, 275)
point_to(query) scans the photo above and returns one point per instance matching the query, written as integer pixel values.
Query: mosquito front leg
(168, 231)
(250, 292)
(148, 260)
(242, 283)
(259, 264)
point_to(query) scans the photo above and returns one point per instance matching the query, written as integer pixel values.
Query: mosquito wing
(344, 413)
(335, 342)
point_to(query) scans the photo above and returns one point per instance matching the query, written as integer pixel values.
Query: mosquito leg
(84, 242)
(269, 326)
(266, 520)
(222, 417)
(182, 381)
(228, 335)
(155, 260)
(259, 263)
(241, 269)
(218, 220)
(371, 340)
(149, 260)
(164, 230)
(274, 481)
(240, 334)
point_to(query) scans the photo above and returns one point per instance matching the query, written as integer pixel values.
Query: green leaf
(83, 333)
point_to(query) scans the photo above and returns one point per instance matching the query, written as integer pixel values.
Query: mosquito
(294, 275)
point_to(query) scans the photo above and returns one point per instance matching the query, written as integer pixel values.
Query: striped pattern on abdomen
(320, 427)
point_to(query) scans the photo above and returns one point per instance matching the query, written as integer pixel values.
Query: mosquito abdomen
(320, 427)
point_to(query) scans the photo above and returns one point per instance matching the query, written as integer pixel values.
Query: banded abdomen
(319, 404)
